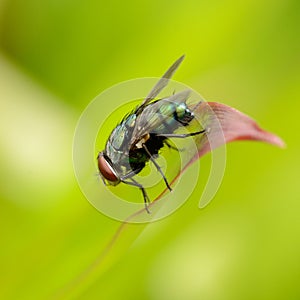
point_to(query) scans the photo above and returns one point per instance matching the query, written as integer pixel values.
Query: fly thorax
(122, 132)
(118, 136)
(130, 121)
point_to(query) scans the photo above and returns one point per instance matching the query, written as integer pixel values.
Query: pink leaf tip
(238, 126)
(225, 124)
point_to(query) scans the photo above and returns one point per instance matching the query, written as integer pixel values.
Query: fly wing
(162, 83)
(152, 117)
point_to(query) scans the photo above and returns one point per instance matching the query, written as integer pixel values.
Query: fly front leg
(130, 174)
(157, 167)
(145, 196)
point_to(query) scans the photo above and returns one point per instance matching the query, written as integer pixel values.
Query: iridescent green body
(127, 154)
(140, 135)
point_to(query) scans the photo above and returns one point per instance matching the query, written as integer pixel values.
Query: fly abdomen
(182, 114)
(172, 116)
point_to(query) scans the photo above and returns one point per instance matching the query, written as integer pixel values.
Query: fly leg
(184, 135)
(136, 184)
(172, 147)
(169, 130)
(130, 174)
(157, 167)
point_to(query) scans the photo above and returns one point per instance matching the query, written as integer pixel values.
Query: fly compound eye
(106, 170)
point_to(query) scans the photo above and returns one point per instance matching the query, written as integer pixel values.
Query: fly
(138, 138)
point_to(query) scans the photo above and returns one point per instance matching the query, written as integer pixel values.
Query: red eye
(106, 170)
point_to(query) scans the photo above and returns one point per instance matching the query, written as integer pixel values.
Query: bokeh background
(56, 56)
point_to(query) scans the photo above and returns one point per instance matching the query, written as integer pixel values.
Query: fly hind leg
(184, 135)
(173, 147)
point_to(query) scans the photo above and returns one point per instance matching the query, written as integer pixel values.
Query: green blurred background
(58, 55)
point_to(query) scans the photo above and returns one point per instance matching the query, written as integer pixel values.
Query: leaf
(234, 124)
(223, 124)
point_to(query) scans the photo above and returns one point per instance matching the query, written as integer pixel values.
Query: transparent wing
(154, 115)
(162, 83)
